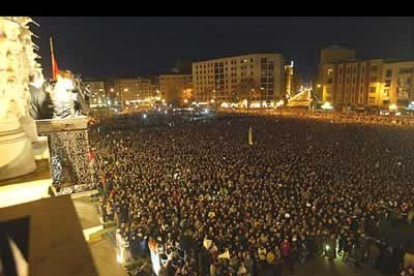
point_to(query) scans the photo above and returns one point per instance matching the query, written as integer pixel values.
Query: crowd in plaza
(217, 206)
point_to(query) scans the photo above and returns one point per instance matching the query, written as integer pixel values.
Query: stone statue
(70, 96)
(250, 136)
(17, 128)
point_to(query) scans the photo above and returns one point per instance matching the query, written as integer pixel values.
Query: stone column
(17, 62)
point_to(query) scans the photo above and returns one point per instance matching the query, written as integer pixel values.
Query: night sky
(132, 46)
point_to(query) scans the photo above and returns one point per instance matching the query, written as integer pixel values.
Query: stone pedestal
(49, 233)
(69, 147)
(31, 186)
(15, 149)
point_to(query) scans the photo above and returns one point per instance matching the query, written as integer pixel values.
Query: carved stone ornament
(17, 63)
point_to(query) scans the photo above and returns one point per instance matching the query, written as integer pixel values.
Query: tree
(247, 89)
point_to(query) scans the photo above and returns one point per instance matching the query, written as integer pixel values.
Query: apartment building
(256, 77)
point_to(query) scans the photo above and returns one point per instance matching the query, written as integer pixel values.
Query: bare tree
(247, 89)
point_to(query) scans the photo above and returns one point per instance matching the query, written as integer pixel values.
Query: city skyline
(116, 46)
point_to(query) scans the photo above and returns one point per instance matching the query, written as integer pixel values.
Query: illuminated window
(330, 71)
(387, 83)
(405, 71)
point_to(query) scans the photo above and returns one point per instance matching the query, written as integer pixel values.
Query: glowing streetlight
(119, 258)
(212, 101)
(327, 106)
(185, 101)
(279, 103)
(393, 107)
(318, 85)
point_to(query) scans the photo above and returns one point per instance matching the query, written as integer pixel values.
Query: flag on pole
(55, 68)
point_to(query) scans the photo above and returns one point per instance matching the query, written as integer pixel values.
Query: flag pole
(52, 54)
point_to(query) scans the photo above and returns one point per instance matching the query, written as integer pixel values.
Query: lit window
(330, 71)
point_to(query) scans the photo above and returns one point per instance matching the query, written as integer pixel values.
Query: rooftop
(240, 55)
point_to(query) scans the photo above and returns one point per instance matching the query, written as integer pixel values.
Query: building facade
(330, 55)
(398, 83)
(134, 90)
(99, 97)
(351, 82)
(370, 83)
(291, 80)
(253, 77)
(114, 95)
(175, 86)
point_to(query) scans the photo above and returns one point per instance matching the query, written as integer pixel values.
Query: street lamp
(261, 97)
(327, 106)
(393, 107)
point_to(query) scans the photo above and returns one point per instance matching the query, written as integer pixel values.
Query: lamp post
(326, 106)
(261, 96)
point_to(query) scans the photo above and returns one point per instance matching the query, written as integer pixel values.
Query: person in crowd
(373, 253)
(199, 189)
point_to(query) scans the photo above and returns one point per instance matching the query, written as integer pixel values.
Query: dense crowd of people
(217, 206)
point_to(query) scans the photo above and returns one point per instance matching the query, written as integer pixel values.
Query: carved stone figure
(17, 129)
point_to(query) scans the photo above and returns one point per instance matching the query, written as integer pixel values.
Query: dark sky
(112, 46)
